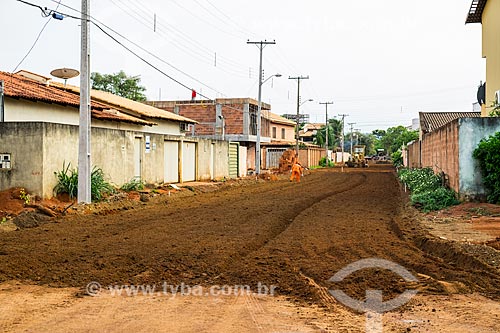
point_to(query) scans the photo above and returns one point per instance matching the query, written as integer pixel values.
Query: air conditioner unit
(184, 127)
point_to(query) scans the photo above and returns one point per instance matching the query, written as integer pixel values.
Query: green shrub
(420, 180)
(487, 153)
(135, 184)
(397, 158)
(435, 199)
(67, 182)
(426, 189)
(322, 162)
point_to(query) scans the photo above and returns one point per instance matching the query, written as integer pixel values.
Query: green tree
(334, 133)
(368, 140)
(395, 137)
(119, 84)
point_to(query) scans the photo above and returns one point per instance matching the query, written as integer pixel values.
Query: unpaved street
(291, 236)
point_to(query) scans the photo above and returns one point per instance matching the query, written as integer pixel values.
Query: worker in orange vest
(297, 171)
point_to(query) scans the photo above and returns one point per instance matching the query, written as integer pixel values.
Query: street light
(259, 110)
(297, 124)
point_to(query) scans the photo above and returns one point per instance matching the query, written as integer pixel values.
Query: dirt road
(291, 236)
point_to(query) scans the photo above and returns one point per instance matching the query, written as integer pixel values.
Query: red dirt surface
(293, 236)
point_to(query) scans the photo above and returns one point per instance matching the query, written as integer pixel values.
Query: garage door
(171, 158)
(233, 160)
(273, 156)
(188, 161)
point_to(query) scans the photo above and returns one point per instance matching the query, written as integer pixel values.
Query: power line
(134, 53)
(39, 34)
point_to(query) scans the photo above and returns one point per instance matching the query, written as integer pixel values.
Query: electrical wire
(44, 14)
(132, 52)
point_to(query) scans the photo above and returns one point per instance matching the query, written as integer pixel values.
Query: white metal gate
(273, 156)
(188, 161)
(171, 161)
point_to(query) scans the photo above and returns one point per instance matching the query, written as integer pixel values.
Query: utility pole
(358, 131)
(261, 45)
(326, 131)
(342, 141)
(298, 78)
(84, 125)
(352, 126)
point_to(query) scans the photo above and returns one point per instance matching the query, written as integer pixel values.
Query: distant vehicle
(358, 160)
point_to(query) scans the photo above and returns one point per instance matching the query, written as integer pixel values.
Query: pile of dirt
(30, 219)
(11, 203)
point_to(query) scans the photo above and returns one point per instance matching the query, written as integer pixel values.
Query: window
(4, 161)
(274, 132)
(283, 133)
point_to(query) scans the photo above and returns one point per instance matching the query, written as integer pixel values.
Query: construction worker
(297, 171)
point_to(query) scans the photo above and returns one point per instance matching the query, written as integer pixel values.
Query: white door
(171, 160)
(188, 161)
(137, 157)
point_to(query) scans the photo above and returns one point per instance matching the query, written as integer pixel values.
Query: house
(309, 131)
(447, 141)
(231, 119)
(487, 13)
(39, 132)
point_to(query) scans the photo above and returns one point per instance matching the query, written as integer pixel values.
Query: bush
(487, 153)
(135, 184)
(397, 158)
(322, 162)
(426, 189)
(434, 200)
(420, 180)
(67, 182)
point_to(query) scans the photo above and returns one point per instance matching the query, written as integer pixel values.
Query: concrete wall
(471, 131)
(491, 50)
(289, 132)
(40, 149)
(24, 141)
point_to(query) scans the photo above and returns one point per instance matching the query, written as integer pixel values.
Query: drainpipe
(2, 106)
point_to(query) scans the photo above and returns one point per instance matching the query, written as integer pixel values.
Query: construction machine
(357, 159)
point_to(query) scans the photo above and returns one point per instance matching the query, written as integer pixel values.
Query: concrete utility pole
(326, 131)
(298, 78)
(261, 45)
(352, 126)
(84, 194)
(358, 131)
(342, 141)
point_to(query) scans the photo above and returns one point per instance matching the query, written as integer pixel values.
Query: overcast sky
(381, 62)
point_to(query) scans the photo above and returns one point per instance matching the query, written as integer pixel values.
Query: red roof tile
(18, 86)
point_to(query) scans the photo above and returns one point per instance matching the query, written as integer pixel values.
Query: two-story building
(235, 119)
(487, 12)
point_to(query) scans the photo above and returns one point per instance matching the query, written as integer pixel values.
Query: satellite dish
(65, 73)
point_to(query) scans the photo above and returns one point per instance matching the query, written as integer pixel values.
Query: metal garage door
(273, 156)
(233, 160)
(171, 164)
(188, 161)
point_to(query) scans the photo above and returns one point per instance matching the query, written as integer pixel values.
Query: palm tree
(334, 133)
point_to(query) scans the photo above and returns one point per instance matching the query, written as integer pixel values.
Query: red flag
(193, 94)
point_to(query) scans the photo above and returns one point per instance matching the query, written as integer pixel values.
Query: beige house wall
(491, 51)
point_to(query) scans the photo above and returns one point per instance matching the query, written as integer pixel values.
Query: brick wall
(439, 151)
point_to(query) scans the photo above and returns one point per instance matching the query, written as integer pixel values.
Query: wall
(471, 131)
(450, 149)
(491, 50)
(40, 149)
(289, 132)
(24, 141)
(440, 152)
(414, 155)
(310, 157)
